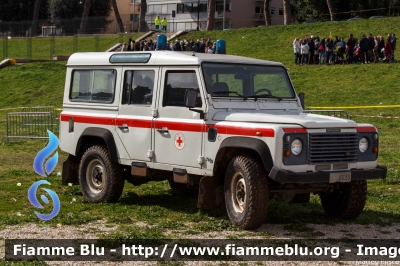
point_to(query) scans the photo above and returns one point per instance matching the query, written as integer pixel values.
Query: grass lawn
(41, 46)
(166, 215)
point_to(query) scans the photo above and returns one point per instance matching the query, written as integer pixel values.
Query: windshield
(247, 81)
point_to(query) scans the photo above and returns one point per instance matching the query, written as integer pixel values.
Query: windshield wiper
(227, 92)
(251, 96)
(264, 96)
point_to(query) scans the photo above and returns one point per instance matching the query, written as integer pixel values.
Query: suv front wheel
(246, 192)
(100, 178)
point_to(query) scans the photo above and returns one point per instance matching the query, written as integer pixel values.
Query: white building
(192, 13)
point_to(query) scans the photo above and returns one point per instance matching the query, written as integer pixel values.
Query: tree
(287, 12)
(117, 16)
(143, 7)
(85, 14)
(67, 14)
(67, 9)
(211, 14)
(267, 14)
(32, 32)
(21, 10)
(331, 10)
(390, 8)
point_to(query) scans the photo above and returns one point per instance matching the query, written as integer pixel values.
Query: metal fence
(45, 48)
(69, 27)
(32, 122)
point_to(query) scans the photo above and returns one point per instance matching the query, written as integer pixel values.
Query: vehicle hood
(302, 119)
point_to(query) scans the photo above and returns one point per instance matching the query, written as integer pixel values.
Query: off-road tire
(180, 189)
(247, 210)
(347, 202)
(100, 178)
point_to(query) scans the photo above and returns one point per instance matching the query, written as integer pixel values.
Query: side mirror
(302, 98)
(190, 98)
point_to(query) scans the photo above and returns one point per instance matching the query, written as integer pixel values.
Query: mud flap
(211, 193)
(70, 171)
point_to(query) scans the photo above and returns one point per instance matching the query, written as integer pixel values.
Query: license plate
(340, 177)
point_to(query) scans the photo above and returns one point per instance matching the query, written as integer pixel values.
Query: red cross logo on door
(179, 141)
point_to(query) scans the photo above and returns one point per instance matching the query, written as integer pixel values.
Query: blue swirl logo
(44, 153)
(49, 166)
(32, 198)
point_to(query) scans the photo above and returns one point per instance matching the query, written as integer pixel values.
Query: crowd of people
(313, 50)
(310, 50)
(200, 46)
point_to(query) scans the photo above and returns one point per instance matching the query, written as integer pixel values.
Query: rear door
(135, 120)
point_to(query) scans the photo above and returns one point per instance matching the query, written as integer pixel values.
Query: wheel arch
(95, 136)
(236, 145)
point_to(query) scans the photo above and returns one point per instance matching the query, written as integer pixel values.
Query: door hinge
(200, 160)
(150, 154)
(154, 112)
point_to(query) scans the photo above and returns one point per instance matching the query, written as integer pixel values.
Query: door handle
(163, 130)
(123, 127)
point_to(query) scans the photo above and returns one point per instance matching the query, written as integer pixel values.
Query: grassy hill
(275, 43)
(42, 46)
(346, 85)
(32, 85)
(335, 85)
(339, 85)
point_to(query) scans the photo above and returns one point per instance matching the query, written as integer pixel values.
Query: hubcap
(96, 176)
(238, 192)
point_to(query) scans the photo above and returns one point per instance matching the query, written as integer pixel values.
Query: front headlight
(363, 145)
(296, 147)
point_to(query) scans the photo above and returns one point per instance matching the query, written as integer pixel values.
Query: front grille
(333, 147)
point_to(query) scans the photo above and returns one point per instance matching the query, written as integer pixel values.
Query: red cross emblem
(179, 141)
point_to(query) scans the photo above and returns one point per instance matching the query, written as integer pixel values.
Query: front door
(178, 130)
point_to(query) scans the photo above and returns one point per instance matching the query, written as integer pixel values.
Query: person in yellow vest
(157, 23)
(164, 24)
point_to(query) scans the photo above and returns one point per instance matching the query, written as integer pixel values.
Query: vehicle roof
(163, 58)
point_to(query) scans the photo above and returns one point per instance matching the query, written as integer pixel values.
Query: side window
(93, 85)
(177, 82)
(138, 87)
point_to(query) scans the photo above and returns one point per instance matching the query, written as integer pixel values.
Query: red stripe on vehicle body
(89, 119)
(178, 126)
(142, 123)
(366, 129)
(243, 131)
(294, 130)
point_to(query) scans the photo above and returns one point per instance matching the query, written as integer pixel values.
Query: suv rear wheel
(346, 202)
(246, 192)
(100, 178)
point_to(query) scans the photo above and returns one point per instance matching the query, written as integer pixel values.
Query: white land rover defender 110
(230, 126)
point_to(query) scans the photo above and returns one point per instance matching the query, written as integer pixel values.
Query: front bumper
(283, 176)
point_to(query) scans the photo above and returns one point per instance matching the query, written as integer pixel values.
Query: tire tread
(257, 191)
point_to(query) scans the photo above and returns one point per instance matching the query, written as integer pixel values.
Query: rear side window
(138, 87)
(93, 85)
